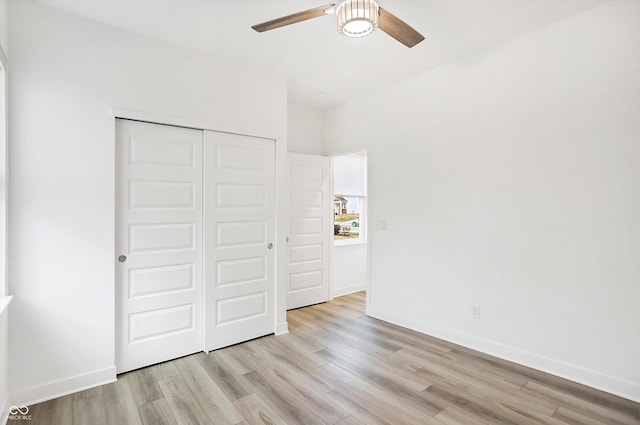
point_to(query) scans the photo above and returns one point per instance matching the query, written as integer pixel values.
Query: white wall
(4, 27)
(66, 75)
(4, 316)
(348, 269)
(4, 359)
(305, 129)
(509, 180)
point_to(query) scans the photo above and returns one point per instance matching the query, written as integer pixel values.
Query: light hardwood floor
(338, 366)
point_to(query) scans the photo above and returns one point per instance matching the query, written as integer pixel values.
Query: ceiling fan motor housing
(357, 18)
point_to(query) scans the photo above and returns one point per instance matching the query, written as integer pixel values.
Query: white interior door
(310, 231)
(159, 302)
(239, 234)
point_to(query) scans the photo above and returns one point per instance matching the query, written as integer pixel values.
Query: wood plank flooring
(338, 366)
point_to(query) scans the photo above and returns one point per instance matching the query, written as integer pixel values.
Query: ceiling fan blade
(292, 19)
(398, 29)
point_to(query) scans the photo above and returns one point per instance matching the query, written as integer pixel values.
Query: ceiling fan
(356, 18)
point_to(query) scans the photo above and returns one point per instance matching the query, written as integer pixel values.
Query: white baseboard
(611, 384)
(282, 328)
(55, 389)
(346, 290)
(4, 410)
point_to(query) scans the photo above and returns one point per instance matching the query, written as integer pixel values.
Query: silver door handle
(122, 258)
(270, 246)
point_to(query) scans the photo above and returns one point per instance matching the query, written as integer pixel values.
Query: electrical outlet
(475, 311)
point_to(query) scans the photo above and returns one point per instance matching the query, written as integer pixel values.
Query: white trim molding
(177, 121)
(4, 302)
(346, 290)
(282, 328)
(4, 358)
(63, 387)
(4, 410)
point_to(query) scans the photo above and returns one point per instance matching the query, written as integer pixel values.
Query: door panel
(159, 302)
(309, 230)
(160, 323)
(246, 270)
(239, 228)
(150, 194)
(161, 280)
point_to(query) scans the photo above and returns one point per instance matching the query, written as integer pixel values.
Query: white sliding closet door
(159, 299)
(310, 231)
(239, 234)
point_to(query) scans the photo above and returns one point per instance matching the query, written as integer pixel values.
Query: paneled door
(240, 235)
(159, 300)
(310, 231)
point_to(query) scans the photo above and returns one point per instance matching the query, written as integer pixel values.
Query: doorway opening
(350, 206)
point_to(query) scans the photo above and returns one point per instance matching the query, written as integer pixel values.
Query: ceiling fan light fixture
(357, 18)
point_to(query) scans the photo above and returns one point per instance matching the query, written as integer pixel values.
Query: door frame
(281, 204)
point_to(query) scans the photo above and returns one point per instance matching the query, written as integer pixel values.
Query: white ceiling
(313, 56)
